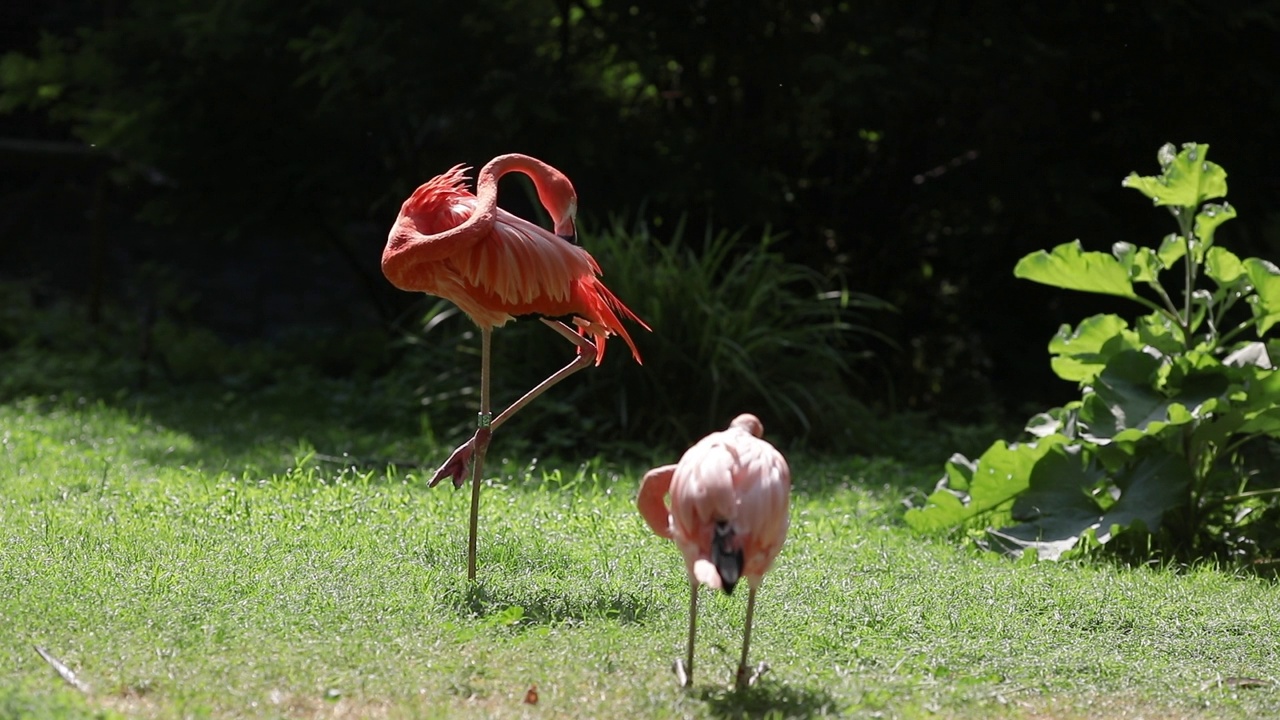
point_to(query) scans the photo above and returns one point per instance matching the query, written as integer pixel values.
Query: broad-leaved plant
(1162, 446)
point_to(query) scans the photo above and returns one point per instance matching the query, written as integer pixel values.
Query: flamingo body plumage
(499, 266)
(728, 514)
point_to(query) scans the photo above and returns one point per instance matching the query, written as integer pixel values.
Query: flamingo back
(734, 483)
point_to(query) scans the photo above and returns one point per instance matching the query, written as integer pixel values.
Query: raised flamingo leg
(456, 466)
(743, 680)
(684, 670)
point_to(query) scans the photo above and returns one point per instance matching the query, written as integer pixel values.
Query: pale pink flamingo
(494, 266)
(730, 499)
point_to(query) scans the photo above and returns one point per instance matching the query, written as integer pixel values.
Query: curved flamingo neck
(407, 247)
(555, 192)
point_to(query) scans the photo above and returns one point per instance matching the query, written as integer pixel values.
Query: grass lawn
(211, 557)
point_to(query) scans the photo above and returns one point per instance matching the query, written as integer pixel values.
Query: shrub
(1163, 447)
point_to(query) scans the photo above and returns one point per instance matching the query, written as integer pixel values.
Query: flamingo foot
(744, 681)
(683, 676)
(459, 462)
(456, 466)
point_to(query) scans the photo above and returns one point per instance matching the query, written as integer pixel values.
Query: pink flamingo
(494, 266)
(730, 497)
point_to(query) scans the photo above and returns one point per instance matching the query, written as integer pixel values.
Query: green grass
(198, 556)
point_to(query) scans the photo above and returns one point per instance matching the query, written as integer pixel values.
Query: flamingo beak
(566, 228)
(567, 231)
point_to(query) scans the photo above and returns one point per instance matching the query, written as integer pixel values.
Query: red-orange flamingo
(494, 266)
(730, 498)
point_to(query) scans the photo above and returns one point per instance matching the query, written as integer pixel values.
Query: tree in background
(909, 149)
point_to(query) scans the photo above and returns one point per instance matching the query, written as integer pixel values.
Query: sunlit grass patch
(185, 565)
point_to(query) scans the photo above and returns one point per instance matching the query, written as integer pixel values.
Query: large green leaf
(1122, 397)
(1057, 421)
(1154, 485)
(1209, 218)
(1262, 390)
(1266, 283)
(1188, 178)
(1259, 406)
(1266, 422)
(1172, 249)
(1062, 503)
(1056, 508)
(943, 510)
(1080, 354)
(1127, 404)
(999, 475)
(1142, 263)
(959, 473)
(1157, 331)
(1223, 266)
(1196, 374)
(1060, 484)
(1070, 266)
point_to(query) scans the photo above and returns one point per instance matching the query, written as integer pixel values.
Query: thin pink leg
(586, 357)
(743, 680)
(480, 441)
(684, 669)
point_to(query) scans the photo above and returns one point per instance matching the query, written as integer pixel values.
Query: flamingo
(494, 266)
(730, 497)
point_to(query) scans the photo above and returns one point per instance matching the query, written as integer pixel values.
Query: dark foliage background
(236, 164)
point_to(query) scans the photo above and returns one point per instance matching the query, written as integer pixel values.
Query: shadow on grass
(526, 605)
(767, 700)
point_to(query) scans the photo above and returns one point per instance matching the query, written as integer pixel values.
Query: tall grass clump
(736, 327)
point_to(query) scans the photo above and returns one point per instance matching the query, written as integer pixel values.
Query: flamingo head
(557, 195)
(750, 423)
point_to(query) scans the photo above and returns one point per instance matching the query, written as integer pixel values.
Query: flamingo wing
(524, 265)
(522, 269)
(651, 500)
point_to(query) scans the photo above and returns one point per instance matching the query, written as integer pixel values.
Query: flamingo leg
(585, 358)
(480, 441)
(684, 670)
(743, 680)
(456, 466)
